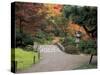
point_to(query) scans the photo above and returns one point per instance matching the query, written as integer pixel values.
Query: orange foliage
(53, 9)
(57, 8)
(72, 28)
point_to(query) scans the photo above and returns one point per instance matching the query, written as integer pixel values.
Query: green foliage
(69, 41)
(59, 25)
(88, 47)
(42, 37)
(86, 15)
(70, 45)
(59, 20)
(67, 10)
(18, 35)
(27, 40)
(23, 39)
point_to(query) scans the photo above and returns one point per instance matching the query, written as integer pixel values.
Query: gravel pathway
(53, 59)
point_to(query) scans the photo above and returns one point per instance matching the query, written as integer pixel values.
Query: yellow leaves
(52, 10)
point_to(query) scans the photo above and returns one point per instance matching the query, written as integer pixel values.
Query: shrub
(39, 37)
(69, 45)
(27, 40)
(42, 37)
(69, 41)
(82, 46)
(29, 48)
(88, 47)
(23, 39)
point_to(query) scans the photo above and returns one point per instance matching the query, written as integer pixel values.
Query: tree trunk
(92, 33)
(87, 31)
(21, 31)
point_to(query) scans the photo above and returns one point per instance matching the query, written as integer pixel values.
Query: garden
(75, 26)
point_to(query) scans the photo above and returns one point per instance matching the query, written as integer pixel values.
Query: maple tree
(27, 14)
(28, 17)
(56, 21)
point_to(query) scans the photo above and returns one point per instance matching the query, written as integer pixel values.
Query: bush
(69, 45)
(88, 47)
(82, 46)
(29, 48)
(39, 37)
(27, 40)
(69, 41)
(23, 39)
(42, 37)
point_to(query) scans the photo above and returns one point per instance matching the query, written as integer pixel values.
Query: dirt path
(55, 60)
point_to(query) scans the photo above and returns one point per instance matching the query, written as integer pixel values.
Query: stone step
(49, 48)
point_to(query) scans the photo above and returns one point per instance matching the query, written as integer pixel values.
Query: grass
(25, 58)
(87, 66)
